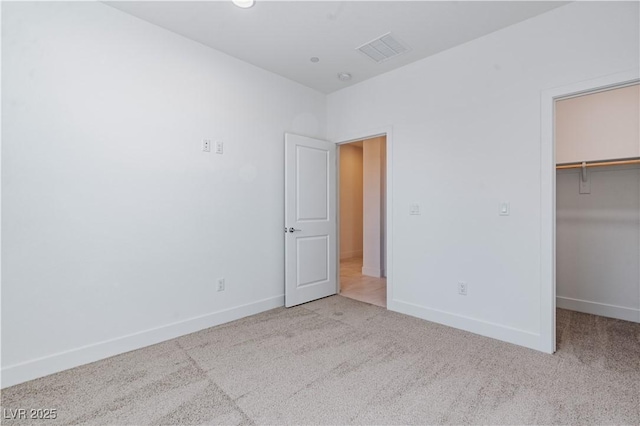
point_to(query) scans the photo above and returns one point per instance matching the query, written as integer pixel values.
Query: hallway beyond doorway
(360, 287)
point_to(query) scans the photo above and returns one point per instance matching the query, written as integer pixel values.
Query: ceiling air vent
(383, 48)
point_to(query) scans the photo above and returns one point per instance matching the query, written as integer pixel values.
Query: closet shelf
(603, 163)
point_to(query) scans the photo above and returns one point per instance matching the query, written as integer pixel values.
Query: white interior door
(310, 219)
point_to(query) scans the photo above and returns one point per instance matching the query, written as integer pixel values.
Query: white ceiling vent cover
(383, 48)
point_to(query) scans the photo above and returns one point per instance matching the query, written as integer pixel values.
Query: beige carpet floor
(340, 361)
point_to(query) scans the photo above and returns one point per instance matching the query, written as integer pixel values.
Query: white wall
(350, 201)
(466, 136)
(599, 126)
(598, 242)
(116, 224)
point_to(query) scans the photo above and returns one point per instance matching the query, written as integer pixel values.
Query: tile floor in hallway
(360, 287)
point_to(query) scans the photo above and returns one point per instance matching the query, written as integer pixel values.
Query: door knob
(294, 230)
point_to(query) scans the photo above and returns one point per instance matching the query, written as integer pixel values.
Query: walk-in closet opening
(597, 144)
(362, 231)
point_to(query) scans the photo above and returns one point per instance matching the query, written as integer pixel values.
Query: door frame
(360, 136)
(548, 191)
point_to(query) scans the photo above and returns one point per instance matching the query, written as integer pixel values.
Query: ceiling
(282, 36)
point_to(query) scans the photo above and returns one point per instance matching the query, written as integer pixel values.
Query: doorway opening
(362, 231)
(597, 222)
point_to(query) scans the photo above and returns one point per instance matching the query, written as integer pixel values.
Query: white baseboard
(595, 308)
(350, 254)
(372, 272)
(33, 369)
(473, 325)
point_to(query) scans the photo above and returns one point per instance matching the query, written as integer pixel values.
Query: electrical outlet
(462, 288)
(220, 284)
(206, 145)
(219, 147)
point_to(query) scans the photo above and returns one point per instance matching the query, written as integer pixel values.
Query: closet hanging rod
(604, 163)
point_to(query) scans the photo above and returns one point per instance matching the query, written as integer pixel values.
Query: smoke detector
(383, 48)
(344, 76)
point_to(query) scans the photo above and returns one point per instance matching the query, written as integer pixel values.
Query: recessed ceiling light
(315, 59)
(245, 4)
(344, 76)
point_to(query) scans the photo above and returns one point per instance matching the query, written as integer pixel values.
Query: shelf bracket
(585, 185)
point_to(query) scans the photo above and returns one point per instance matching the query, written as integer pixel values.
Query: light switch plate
(219, 147)
(505, 209)
(206, 145)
